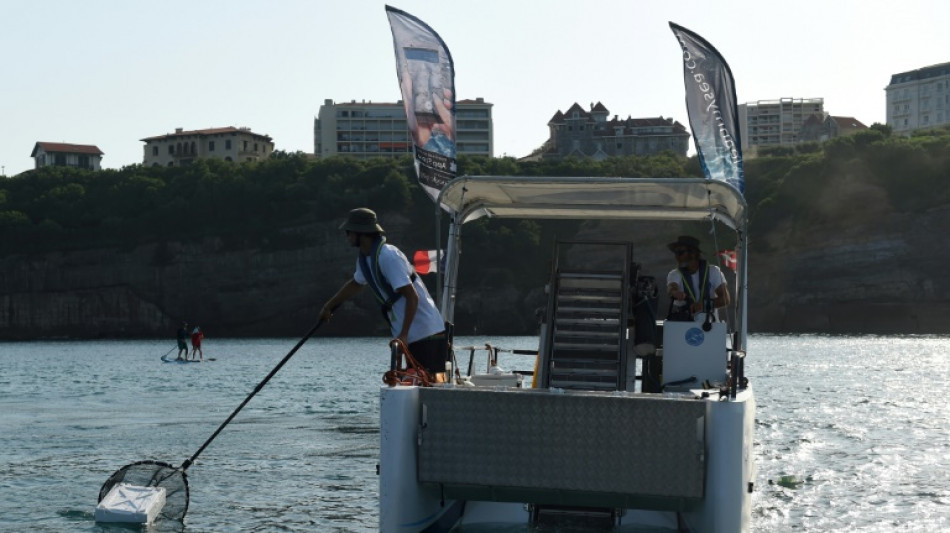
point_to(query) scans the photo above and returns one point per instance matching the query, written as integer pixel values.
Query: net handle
(190, 460)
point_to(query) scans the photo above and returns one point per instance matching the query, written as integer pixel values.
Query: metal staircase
(588, 313)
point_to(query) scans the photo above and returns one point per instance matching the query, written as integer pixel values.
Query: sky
(112, 72)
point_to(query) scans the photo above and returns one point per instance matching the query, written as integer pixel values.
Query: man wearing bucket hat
(406, 305)
(695, 286)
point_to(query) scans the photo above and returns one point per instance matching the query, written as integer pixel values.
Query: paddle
(168, 352)
(172, 479)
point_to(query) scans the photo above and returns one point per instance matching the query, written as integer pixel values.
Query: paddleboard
(164, 360)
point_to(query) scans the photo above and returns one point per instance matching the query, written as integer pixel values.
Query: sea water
(851, 432)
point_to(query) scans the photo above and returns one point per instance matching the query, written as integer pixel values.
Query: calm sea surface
(852, 433)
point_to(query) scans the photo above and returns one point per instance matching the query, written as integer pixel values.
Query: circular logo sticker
(694, 336)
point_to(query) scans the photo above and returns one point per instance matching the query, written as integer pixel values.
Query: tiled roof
(67, 148)
(932, 71)
(576, 107)
(560, 117)
(209, 131)
(849, 122)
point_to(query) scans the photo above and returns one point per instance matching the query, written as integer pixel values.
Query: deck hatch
(543, 447)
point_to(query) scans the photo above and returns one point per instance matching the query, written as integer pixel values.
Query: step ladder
(588, 313)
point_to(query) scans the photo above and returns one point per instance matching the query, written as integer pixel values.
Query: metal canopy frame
(469, 198)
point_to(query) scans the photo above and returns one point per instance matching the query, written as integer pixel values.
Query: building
(775, 122)
(919, 99)
(822, 128)
(581, 133)
(84, 156)
(183, 147)
(368, 129)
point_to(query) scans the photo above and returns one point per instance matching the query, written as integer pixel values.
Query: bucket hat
(684, 241)
(362, 220)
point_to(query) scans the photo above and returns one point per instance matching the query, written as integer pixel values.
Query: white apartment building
(85, 156)
(776, 122)
(375, 129)
(919, 99)
(183, 147)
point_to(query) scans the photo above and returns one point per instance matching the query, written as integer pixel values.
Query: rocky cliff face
(883, 277)
(886, 277)
(147, 291)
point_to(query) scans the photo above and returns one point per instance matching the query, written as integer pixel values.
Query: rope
(406, 371)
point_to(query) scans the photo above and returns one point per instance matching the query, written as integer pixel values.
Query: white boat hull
(408, 505)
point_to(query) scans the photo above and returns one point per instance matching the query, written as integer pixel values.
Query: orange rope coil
(407, 370)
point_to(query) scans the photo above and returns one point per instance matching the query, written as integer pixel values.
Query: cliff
(880, 276)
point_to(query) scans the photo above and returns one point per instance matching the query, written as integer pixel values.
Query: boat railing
(737, 379)
(492, 357)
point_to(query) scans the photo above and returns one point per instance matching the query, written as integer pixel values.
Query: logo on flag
(712, 108)
(728, 258)
(426, 261)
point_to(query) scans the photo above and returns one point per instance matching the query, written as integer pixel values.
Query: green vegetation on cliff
(843, 181)
(847, 182)
(806, 203)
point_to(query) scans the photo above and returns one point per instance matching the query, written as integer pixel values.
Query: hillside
(845, 238)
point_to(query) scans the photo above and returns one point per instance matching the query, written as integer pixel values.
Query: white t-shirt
(715, 280)
(396, 270)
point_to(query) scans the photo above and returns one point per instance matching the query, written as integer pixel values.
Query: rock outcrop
(882, 278)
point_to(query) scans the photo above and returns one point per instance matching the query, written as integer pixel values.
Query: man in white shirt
(405, 302)
(686, 282)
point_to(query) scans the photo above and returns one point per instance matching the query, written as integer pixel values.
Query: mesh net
(155, 474)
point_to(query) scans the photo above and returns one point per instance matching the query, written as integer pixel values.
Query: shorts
(182, 345)
(431, 352)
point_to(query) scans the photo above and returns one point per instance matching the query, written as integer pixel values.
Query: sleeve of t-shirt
(358, 275)
(395, 268)
(674, 277)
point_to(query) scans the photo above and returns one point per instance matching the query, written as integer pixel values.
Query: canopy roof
(472, 197)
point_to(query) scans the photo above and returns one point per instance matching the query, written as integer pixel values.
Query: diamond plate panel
(629, 445)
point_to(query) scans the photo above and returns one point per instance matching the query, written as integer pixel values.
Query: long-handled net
(174, 479)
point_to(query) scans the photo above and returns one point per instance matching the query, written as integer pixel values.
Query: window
(210, 146)
(245, 146)
(155, 150)
(255, 147)
(171, 149)
(227, 145)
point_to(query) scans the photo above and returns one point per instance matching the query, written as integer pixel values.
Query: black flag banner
(711, 105)
(427, 81)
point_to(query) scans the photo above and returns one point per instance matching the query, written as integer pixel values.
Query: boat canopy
(469, 198)
(473, 197)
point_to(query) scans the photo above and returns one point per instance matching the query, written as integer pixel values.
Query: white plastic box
(131, 504)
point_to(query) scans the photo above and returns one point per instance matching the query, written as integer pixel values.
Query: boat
(627, 420)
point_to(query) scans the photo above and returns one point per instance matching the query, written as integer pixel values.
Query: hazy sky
(112, 72)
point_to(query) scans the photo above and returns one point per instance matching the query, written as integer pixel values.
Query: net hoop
(155, 474)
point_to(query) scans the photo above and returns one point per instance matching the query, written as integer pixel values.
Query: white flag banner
(712, 108)
(427, 81)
